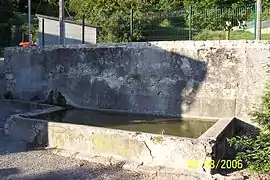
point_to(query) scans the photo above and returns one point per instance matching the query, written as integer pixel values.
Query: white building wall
(73, 33)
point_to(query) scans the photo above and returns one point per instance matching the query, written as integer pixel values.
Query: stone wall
(198, 78)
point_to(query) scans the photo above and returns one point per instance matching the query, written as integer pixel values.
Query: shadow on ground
(84, 173)
(8, 171)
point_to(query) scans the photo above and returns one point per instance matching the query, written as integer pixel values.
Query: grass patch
(221, 35)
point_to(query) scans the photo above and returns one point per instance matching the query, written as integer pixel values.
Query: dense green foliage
(112, 17)
(255, 151)
(13, 19)
(214, 18)
(5, 17)
(262, 115)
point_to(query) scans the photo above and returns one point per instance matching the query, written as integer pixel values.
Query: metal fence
(197, 23)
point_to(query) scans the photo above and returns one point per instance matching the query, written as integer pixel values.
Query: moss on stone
(158, 139)
(117, 144)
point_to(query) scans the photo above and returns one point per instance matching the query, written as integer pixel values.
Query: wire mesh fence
(197, 22)
(185, 24)
(165, 25)
(194, 22)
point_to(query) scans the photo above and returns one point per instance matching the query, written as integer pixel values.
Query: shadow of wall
(86, 171)
(139, 77)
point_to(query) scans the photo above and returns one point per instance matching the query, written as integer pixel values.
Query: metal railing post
(255, 20)
(190, 22)
(83, 26)
(131, 24)
(43, 33)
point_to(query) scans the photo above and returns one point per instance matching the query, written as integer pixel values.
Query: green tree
(112, 17)
(6, 14)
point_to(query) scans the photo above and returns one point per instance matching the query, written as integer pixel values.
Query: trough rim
(213, 133)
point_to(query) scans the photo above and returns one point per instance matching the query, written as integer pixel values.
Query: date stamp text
(218, 164)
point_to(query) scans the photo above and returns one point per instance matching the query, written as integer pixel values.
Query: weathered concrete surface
(2, 75)
(209, 78)
(8, 108)
(141, 149)
(220, 131)
(235, 74)
(139, 78)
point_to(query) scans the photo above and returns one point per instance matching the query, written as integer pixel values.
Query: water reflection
(192, 128)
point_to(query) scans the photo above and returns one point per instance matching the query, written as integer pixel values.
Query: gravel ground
(18, 163)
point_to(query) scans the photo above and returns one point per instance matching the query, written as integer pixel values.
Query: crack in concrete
(204, 159)
(73, 156)
(110, 161)
(156, 174)
(120, 164)
(150, 152)
(212, 143)
(141, 164)
(37, 132)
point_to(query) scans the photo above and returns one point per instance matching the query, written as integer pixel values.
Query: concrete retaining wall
(210, 78)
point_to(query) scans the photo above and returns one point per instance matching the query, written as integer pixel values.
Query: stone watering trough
(133, 139)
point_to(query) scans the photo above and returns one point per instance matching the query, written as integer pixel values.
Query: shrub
(255, 151)
(262, 115)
